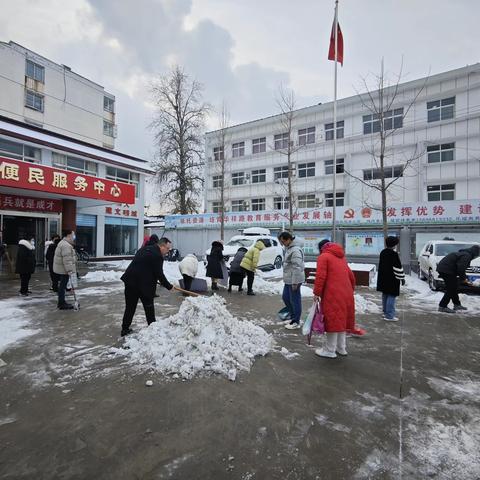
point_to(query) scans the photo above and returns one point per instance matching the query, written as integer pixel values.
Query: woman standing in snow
(49, 256)
(25, 264)
(249, 264)
(188, 268)
(215, 263)
(390, 275)
(334, 286)
(293, 277)
(237, 273)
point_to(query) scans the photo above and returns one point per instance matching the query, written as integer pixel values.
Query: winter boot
(215, 286)
(445, 310)
(65, 306)
(459, 307)
(250, 292)
(125, 332)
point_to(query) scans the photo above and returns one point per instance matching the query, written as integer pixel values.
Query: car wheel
(432, 283)
(278, 262)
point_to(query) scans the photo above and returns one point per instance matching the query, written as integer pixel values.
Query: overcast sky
(240, 50)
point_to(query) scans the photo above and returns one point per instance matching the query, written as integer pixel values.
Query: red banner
(32, 176)
(28, 204)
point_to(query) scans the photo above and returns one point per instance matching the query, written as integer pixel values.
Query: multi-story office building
(58, 169)
(434, 124)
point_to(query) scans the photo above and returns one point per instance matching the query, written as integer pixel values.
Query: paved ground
(71, 410)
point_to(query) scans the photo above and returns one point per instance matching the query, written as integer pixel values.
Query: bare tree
(287, 105)
(388, 114)
(221, 165)
(177, 125)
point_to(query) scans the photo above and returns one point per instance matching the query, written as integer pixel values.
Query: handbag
(307, 324)
(318, 322)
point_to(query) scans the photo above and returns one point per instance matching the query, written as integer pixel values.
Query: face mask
(74, 237)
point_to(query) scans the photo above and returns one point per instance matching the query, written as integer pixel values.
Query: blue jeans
(388, 303)
(293, 301)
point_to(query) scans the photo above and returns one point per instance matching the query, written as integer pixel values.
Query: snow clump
(202, 338)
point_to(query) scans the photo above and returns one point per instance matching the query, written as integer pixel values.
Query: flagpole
(334, 216)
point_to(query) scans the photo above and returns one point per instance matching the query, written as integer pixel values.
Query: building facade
(58, 169)
(433, 126)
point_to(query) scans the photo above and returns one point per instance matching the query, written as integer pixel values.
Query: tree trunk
(222, 202)
(290, 200)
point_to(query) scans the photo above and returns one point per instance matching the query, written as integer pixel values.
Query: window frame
(442, 150)
(304, 170)
(257, 175)
(35, 96)
(16, 154)
(238, 206)
(60, 160)
(283, 201)
(281, 141)
(391, 171)
(306, 136)
(217, 181)
(441, 189)
(108, 101)
(280, 173)
(216, 206)
(133, 178)
(236, 176)
(339, 199)
(437, 109)
(328, 165)
(238, 149)
(36, 67)
(329, 130)
(392, 120)
(259, 145)
(309, 200)
(258, 202)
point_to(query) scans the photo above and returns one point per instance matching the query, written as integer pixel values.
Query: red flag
(331, 50)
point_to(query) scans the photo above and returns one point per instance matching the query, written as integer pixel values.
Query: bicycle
(82, 255)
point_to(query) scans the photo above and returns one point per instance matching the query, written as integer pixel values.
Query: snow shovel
(187, 292)
(76, 303)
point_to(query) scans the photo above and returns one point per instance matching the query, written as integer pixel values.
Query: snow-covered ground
(203, 337)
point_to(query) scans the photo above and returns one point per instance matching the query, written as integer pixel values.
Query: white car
(434, 251)
(270, 257)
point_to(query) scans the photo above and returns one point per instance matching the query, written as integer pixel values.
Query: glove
(403, 283)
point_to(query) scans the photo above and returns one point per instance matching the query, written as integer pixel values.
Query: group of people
(61, 260)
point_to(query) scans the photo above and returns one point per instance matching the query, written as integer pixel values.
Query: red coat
(334, 283)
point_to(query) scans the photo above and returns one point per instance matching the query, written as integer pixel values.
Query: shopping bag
(307, 324)
(318, 323)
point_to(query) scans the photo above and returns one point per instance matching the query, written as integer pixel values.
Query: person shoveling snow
(202, 338)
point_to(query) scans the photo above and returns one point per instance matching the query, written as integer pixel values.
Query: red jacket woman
(334, 284)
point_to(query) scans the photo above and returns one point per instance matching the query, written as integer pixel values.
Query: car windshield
(239, 242)
(443, 249)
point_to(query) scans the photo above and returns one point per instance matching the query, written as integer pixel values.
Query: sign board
(364, 243)
(33, 176)
(424, 213)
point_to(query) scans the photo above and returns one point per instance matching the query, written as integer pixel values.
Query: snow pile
(363, 305)
(420, 296)
(203, 337)
(103, 276)
(13, 323)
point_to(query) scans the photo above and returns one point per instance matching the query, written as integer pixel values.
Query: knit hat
(391, 242)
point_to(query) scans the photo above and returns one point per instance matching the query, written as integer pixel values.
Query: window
(109, 104)
(218, 153)
(389, 172)
(280, 203)
(329, 130)
(74, 164)
(238, 178)
(329, 166)
(441, 192)
(217, 181)
(306, 170)
(124, 176)
(441, 109)
(108, 128)
(217, 207)
(238, 149)
(391, 120)
(19, 151)
(239, 206)
(306, 136)
(339, 197)
(259, 145)
(259, 176)
(307, 201)
(121, 236)
(35, 71)
(441, 153)
(86, 232)
(280, 141)
(34, 101)
(280, 172)
(258, 204)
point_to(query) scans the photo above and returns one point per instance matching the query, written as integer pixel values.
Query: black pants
(24, 281)
(132, 295)
(451, 290)
(55, 278)
(187, 281)
(63, 279)
(250, 278)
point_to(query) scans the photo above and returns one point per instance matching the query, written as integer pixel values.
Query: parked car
(270, 257)
(434, 251)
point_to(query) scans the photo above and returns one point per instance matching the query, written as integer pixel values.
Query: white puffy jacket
(189, 265)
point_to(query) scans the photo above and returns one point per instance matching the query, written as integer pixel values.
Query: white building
(441, 131)
(58, 169)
